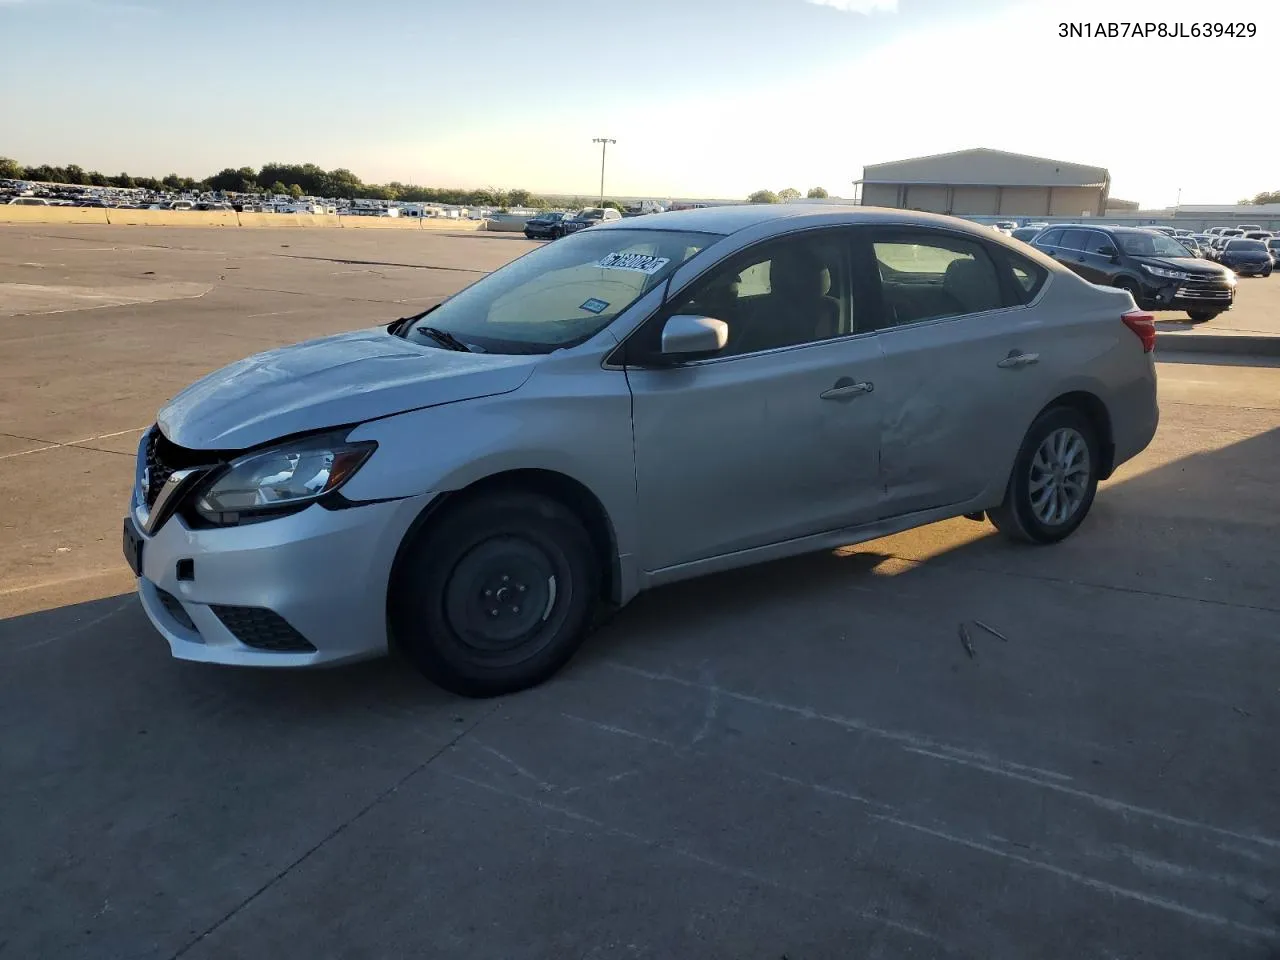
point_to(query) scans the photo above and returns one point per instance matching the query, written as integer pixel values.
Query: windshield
(1244, 246)
(564, 293)
(1151, 245)
(591, 213)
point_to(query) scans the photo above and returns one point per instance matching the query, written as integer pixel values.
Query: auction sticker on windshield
(594, 305)
(643, 263)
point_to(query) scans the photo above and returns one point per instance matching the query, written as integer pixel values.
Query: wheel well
(556, 486)
(1099, 418)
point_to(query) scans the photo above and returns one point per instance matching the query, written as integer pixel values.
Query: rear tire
(1054, 479)
(497, 595)
(1202, 316)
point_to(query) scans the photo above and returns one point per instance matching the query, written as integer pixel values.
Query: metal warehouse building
(987, 183)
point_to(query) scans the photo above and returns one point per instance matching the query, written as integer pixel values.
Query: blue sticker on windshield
(594, 305)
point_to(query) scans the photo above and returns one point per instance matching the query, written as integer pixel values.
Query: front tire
(497, 595)
(1202, 316)
(1054, 480)
(1135, 291)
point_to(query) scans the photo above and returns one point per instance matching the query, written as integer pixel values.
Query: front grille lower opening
(262, 629)
(174, 608)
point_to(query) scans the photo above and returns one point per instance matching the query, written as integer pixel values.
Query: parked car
(28, 202)
(1273, 248)
(1158, 271)
(1025, 234)
(589, 217)
(1258, 235)
(641, 402)
(1246, 227)
(545, 226)
(1192, 245)
(1231, 232)
(1005, 226)
(1248, 258)
(1167, 231)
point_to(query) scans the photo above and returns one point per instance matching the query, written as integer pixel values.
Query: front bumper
(1161, 294)
(1249, 269)
(321, 572)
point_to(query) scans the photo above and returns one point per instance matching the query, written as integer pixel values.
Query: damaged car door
(963, 371)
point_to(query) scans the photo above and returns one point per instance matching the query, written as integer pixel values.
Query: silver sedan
(646, 401)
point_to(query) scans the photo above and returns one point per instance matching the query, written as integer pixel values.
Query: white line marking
(79, 628)
(1100, 885)
(924, 746)
(697, 858)
(55, 445)
(620, 731)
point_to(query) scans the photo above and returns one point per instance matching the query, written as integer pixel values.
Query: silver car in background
(640, 403)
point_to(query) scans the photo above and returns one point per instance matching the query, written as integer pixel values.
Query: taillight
(1143, 326)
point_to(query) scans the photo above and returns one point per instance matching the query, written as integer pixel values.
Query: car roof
(734, 217)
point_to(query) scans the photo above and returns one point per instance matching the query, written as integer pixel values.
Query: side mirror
(687, 337)
(1109, 252)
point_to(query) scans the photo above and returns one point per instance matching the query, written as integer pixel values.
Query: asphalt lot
(797, 760)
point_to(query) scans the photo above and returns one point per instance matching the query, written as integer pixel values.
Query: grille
(163, 457)
(157, 470)
(1204, 293)
(262, 629)
(175, 609)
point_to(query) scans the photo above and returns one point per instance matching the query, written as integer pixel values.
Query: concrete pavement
(796, 760)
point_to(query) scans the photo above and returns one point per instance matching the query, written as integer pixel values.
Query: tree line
(309, 180)
(786, 195)
(288, 179)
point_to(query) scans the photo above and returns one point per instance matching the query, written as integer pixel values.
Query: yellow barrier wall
(445, 223)
(288, 220)
(24, 214)
(381, 223)
(173, 218)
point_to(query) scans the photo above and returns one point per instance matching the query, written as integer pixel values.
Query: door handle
(1019, 360)
(846, 388)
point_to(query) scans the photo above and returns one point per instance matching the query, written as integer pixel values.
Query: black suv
(1156, 269)
(548, 225)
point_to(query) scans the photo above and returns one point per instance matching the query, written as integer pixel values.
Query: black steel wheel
(496, 595)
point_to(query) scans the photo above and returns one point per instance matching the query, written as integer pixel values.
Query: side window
(1073, 240)
(779, 294)
(1028, 278)
(927, 276)
(1050, 238)
(1099, 244)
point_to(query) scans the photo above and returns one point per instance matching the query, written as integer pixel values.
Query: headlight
(291, 475)
(1168, 274)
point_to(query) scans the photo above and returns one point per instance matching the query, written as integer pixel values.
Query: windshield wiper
(444, 338)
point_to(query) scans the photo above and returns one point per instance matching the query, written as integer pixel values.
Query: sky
(705, 98)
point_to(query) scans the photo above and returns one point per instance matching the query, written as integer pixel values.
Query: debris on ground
(991, 630)
(968, 644)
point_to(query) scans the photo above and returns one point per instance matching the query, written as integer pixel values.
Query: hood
(1192, 265)
(348, 378)
(1246, 254)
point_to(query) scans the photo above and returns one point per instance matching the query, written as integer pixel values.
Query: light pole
(604, 148)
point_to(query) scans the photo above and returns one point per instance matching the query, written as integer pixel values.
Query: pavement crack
(337, 831)
(380, 263)
(1139, 591)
